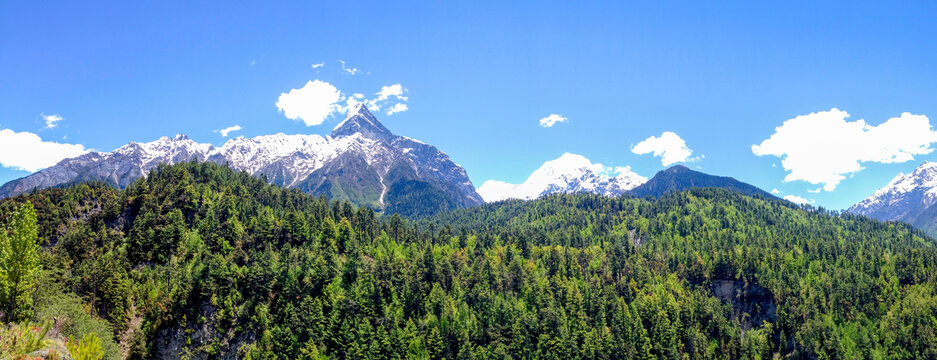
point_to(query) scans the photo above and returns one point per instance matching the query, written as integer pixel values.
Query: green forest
(197, 261)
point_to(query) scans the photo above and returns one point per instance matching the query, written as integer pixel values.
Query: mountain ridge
(572, 173)
(287, 160)
(678, 178)
(907, 198)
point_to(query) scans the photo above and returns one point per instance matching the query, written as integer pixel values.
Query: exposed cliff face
(353, 163)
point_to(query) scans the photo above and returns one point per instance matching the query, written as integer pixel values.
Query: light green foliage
(73, 317)
(19, 263)
(88, 348)
(18, 340)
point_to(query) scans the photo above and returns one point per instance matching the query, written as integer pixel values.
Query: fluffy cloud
(224, 132)
(316, 66)
(387, 94)
(317, 100)
(822, 147)
(312, 103)
(495, 190)
(27, 151)
(551, 120)
(395, 90)
(797, 199)
(51, 120)
(669, 147)
(775, 191)
(398, 107)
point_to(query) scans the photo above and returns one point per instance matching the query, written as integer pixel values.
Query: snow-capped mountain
(570, 173)
(908, 198)
(361, 161)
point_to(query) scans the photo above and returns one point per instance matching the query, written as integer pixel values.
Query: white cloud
(349, 70)
(317, 100)
(669, 147)
(316, 66)
(775, 191)
(822, 147)
(387, 94)
(351, 101)
(551, 120)
(312, 103)
(27, 151)
(51, 120)
(797, 199)
(815, 191)
(398, 107)
(494, 190)
(395, 90)
(224, 132)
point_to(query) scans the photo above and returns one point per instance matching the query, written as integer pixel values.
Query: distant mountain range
(361, 161)
(909, 198)
(573, 173)
(365, 163)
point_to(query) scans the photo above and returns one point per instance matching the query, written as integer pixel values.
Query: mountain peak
(360, 120)
(677, 169)
(909, 198)
(919, 187)
(679, 178)
(358, 109)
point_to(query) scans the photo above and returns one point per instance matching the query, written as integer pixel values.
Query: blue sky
(480, 75)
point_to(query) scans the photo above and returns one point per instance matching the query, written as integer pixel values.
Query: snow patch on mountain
(905, 195)
(570, 173)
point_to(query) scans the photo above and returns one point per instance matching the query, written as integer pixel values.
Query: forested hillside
(199, 261)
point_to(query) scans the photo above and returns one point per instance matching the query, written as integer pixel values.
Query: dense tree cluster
(213, 263)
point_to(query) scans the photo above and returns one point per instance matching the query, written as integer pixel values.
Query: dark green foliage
(218, 263)
(680, 178)
(414, 198)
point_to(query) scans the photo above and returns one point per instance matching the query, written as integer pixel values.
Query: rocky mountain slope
(908, 198)
(361, 161)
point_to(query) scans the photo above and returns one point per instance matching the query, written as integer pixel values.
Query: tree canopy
(207, 262)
